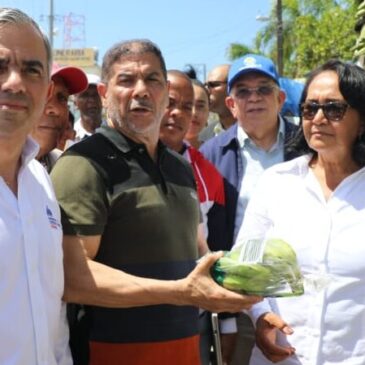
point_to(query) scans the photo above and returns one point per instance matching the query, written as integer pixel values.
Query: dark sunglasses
(214, 84)
(334, 111)
(246, 92)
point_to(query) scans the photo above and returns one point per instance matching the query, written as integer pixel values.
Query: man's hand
(200, 290)
(266, 329)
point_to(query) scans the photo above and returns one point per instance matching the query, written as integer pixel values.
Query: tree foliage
(236, 50)
(359, 47)
(313, 32)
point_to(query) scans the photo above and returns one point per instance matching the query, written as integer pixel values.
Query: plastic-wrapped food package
(265, 267)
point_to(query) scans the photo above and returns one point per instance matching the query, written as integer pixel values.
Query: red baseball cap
(75, 79)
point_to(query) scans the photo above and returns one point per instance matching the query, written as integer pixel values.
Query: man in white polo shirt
(33, 327)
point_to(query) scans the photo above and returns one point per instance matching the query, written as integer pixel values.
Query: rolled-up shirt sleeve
(258, 310)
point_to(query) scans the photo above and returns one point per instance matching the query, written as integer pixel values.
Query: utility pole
(279, 36)
(51, 21)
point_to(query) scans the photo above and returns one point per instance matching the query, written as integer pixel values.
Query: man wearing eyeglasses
(217, 87)
(244, 151)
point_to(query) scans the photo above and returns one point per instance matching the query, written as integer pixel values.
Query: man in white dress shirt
(33, 327)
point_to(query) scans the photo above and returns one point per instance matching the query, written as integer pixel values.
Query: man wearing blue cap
(257, 141)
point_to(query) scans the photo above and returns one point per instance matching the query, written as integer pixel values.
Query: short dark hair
(178, 73)
(127, 48)
(201, 85)
(12, 16)
(190, 71)
(351, 80)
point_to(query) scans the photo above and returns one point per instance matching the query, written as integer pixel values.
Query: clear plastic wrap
(265, 267)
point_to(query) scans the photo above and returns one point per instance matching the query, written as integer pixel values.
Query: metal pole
(279, 37)
(51, 19)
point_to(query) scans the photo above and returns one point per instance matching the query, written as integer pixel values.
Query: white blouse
(329, 239)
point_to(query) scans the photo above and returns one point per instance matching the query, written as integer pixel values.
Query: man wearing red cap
(67, 81)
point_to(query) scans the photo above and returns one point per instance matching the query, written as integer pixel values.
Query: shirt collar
(30, 150)
(243, 138)
(123, 143)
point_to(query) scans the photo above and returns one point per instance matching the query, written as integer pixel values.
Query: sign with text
(79, 57)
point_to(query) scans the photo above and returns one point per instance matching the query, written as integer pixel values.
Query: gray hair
(14, 16)
(127, 48)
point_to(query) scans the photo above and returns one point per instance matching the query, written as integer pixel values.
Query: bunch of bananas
(276, 274)
(359, 48)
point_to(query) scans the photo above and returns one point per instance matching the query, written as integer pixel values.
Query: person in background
(258, 140)
(90, 107)
(191, 72)
(200, 114)
(50, 127)
(216, 85)
(174, 125)
(200, 117)
(130, 218)
(33, 326)
(324, 188)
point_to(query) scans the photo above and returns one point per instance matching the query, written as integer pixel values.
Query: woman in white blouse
(317, 203)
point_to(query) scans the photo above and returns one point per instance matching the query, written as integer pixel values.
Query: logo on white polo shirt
(52, 220)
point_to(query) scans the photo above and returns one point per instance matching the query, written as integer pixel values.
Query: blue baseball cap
(251, 63)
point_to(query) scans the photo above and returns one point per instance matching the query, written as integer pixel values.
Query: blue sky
(194, 32)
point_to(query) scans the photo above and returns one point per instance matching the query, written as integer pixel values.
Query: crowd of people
(111, 223)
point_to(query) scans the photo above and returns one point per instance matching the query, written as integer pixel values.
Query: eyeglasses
(246, 92)
(214, 84)
(334, 111)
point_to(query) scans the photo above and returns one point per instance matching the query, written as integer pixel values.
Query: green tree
(313, 32)
(237, 50)
(359, 47)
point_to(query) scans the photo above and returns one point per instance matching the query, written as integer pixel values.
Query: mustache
(7, 96)
(141, 104)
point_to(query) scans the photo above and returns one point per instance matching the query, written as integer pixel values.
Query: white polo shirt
(328, 237)
(33, 327)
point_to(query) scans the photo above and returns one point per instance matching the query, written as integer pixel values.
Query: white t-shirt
(81, 132)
